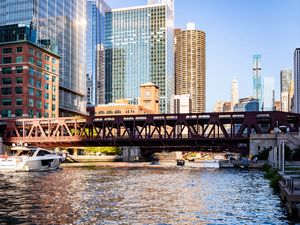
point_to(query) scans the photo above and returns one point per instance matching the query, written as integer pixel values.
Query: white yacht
(23, 158)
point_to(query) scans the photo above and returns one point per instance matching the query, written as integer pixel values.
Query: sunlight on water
(139, 196)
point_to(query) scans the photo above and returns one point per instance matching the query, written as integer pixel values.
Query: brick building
(29, 74)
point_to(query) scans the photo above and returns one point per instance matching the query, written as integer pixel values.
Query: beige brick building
(190, 66)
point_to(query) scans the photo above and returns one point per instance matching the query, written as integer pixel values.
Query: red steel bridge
(207, 131)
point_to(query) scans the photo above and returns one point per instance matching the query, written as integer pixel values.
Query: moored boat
(23, 158)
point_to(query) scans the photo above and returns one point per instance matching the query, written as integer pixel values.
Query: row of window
(7, 60)
(39, 55)
(19, 112)
(9, 50)
(8, 91)
(8, 102)
(18, 80)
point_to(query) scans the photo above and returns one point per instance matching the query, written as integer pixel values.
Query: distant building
(190, 66)
(269, 94)
(148, 104)
(139, 45)
(29, 75)
(218, 107)
(234, 93)
(286, 78)
(249, 104)
(227, 107)
(95, 10)
(257, 85)
(181, 104)
(297, 80)
(291, 97)
(277, 106)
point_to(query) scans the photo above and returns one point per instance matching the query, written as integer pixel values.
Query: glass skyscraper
(297, 80)
(94, 51)
(269, 94)
(139, 49)
(257, 86)
(286, 77)
(62, 22)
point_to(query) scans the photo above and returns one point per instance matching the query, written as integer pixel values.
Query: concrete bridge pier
(131, 153)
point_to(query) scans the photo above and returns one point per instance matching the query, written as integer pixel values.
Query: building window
(118, 112)
(54, 69)
(19, 49)
(38, 114)
(53, 89)
(39, 104)
(30, 113)
(6, 113)
(19, 101)
(31, 60)
(109, 112)
(38, 74)
(53, 60)
(31, 102)
(19, 69)
(46, 95)
(19, 90)
(31, 71)
(19, 59)
(31, 91)
(6, 102)
(38, 93)
(47, 58)
(39, 63)
(46, 86)
(46, 115)
(53, 79)
(46, 105)
(6, 81)
(6, 91)
(6, 50)
(31, 51)
(19, 112)
(6, 60)
(47, 67)
(19, 80)
(38, 84)
(6, 70)
(31, 81)
(46, 76)
(53, 107)
(53, 97)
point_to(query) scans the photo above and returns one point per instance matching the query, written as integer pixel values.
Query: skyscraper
(297, 80)
(94, 43)
(269, 94)
(257, 86)
(190, 66)
(285, 83)
(234, 94)
(139, 49)
(63, 23)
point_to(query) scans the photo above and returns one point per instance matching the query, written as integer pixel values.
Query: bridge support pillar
(131, 153)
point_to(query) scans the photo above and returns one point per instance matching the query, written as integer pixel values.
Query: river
(98, 195)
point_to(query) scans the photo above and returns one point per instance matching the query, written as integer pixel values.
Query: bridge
(201, 131)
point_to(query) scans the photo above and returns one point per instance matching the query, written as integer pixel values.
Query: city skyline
(234, 34)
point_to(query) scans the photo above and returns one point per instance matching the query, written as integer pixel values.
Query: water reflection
(139, 196)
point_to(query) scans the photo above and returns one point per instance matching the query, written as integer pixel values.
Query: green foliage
(273, 175)
(104, 150)
(264, 154)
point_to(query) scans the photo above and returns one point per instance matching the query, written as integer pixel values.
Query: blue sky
(235, 30)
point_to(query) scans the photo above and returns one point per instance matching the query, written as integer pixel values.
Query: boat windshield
(21, 153)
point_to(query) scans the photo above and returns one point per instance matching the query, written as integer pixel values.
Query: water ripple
(139, 196)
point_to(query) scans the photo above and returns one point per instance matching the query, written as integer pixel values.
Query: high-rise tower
(94, 51)
(297, 80)
(64, 23)
(285, 83)
(139, 49)
(234, 94)
(269, 94)
(257, 86)
(190, 66)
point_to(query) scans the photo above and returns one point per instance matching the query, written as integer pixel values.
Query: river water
(98, 195)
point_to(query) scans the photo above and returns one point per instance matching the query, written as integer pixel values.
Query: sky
(235, 31)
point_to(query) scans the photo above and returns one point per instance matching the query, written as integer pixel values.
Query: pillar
(131, 153)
